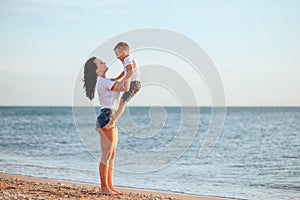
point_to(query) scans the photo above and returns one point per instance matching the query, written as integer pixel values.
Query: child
(131, 76)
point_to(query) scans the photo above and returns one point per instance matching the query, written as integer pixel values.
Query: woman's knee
(109, 150)
(110, 154)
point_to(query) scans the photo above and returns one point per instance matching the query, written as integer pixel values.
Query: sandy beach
(22, 187)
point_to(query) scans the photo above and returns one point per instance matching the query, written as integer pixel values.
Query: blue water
(256, 157)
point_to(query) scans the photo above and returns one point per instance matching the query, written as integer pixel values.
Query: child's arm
(119, 77)
(129, 74)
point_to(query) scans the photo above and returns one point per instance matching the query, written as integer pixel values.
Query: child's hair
(90, 77)
(123, 46)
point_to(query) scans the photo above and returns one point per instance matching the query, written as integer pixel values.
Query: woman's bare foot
(116, 191)
(106, 191)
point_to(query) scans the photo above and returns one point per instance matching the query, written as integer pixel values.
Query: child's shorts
(135, 86)
(104, 117)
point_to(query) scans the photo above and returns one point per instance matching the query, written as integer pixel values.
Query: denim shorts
(135, 86)
(105, 115)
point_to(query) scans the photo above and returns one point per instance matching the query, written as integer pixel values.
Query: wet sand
(22, 187)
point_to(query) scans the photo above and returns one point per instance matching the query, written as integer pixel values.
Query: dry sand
(22, 187)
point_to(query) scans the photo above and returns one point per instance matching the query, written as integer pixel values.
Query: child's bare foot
(109, 125)
(106, 191)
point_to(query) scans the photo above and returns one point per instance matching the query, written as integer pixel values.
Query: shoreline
(25, 187)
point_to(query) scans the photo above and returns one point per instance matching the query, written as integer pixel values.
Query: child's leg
(134, 88)
(126, 97)
(120, 110)
(117, 115)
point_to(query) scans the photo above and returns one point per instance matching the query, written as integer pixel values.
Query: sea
(255, 154)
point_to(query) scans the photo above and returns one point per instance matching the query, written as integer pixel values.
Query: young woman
(108, 95)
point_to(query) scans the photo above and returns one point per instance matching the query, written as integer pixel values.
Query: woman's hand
(119, 86)
(125, 85)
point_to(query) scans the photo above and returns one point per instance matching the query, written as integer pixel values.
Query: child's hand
(109, 125)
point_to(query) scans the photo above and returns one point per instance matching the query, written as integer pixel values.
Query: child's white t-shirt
(130, 60)
(107, 98)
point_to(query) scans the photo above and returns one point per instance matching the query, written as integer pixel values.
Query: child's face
(121, 53)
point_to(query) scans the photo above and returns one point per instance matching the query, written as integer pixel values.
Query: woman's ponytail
(90, 78)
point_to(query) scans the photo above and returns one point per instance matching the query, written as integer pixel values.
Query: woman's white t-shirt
(107, 97)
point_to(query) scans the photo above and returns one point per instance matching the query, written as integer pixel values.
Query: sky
(254, 45)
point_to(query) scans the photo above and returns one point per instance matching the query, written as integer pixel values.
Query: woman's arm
(119, 77)
(118, 86)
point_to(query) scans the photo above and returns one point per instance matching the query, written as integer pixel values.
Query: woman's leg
(107, 145)
(111, 163)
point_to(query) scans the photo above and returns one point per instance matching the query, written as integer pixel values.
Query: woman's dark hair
(90, 77)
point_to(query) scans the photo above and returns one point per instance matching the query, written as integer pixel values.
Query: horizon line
(204, 106)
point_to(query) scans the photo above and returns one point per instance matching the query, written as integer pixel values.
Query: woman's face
(101, 66)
